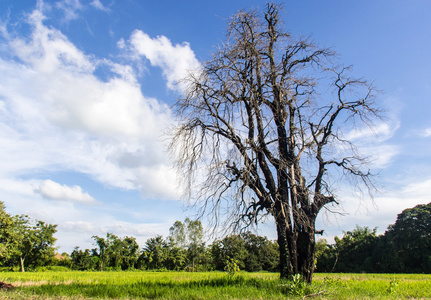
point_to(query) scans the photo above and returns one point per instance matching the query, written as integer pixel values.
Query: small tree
(36, 247)
(115, 252)
(25, 242)
(263, 130)
(189, 235)
(82, 259)
(155, 253)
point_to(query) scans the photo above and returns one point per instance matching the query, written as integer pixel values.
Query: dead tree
(262, 126)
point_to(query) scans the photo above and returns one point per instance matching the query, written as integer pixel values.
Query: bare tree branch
(258, 137)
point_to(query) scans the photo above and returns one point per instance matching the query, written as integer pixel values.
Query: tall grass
(210, 285)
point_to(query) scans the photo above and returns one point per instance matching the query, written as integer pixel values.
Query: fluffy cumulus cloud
(54, 191)
(175, 60)
(57, 115)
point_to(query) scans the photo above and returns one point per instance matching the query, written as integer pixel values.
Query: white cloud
(175, 60)
(380, 212)
(381, 156)
(372, 142)
(56, 114)
(379, 133)
(51, 190)
(80, 227)
(425, 133)
(98, 5)
(58, 117)
(70, 8)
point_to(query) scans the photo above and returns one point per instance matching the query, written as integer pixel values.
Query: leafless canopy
(264, 125)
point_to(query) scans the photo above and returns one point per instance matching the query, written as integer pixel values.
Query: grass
(211, 285)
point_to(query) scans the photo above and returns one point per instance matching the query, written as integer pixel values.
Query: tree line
(405, 247)
(183, 249)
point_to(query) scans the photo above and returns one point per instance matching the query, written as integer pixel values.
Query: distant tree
(251, 252)
(326, 256)
(101, 252)
(9, 238)
(42, 252)
(195, 245)
(355, 250)
(117, 253)
(353, 253)
(263, 130)
(262, 254)
(189, 235)
(130, 253)
(177, 232)
(230, 247)
(177, 256)
(83, 259)
(410, 239)
(155, 253)
(25, 242)
(114, 251)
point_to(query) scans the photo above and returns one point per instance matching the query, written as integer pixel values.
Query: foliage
(353, 253)
(82, 260)
(410, 239)
(189, 236)
(25, 242)
(262, 254)
(116, 253)
(404, 248)
(155, 253)
(251, 252)
(8, 237)
(229, 248)
(232, 267)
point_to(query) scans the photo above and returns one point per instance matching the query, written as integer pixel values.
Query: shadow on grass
(211, 288)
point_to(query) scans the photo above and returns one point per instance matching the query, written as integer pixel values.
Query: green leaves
(114, 252)
(25, 241)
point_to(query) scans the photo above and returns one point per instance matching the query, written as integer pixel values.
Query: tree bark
(306, 242)
(296, 250)
(283, 249)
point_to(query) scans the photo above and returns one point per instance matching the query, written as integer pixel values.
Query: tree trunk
(284, 251)
(296, 251)
(306, 243)
(21, 262)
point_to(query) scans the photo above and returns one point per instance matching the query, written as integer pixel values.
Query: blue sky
(86, 88)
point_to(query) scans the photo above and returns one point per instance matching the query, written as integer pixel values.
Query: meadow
(210, 285)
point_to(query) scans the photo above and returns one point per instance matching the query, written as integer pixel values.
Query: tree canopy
(410, 239)
(25, 242)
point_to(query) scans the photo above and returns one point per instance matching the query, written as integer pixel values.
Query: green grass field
(210, 285)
